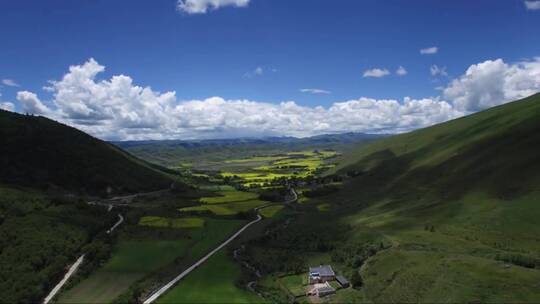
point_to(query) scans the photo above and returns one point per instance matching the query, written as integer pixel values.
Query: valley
(402, 219)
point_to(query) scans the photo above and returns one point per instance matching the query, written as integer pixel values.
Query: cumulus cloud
(31, 104)
(429, 50)
(401, 71)
(118, 109)
(494, 82)
(438, 71)
(532, 5)
(203, 6)
(6, 105)
(315, 91)
(10, 83)
(377, 73)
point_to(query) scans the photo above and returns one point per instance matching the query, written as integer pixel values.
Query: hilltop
(40, 153)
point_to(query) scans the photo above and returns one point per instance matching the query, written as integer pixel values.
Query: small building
(321, 290)
(342, 281)
(321, 274)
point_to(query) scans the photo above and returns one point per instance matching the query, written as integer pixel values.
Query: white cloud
(401, 71)
(259, 71)
(203, 6)
(315, 91)
(118, 109)
(438, 71)
(8, 106)
(31, 103)
(429, 50)
(10, 82)
(532, 5)
(494, 82)
(377, 73)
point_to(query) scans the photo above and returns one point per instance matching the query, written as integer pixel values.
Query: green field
(132, 260)
(271, 211)
(163, 222)
(228, 201)
(229, 196)
(213, 282)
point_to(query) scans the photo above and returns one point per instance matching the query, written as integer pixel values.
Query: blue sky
(265, 51)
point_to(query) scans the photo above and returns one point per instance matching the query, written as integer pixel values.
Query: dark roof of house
(326, 289)
(341, 280)
(323, 270)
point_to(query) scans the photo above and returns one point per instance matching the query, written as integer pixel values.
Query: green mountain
(40, 153)
(495, 151)
(448, 213)
(41, 229)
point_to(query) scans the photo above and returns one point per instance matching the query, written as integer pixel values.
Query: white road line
(120, 220)
(59, 286)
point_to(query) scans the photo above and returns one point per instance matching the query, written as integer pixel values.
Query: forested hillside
(38, 152)
(47, 172)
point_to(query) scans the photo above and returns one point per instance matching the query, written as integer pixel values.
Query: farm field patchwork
(228, 201)
(259, 171)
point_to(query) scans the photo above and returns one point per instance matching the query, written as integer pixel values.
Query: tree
(356, 280)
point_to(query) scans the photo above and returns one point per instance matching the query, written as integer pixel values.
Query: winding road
(167, 286)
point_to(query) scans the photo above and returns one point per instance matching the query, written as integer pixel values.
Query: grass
(439, 211)
(295, 284)
(213, 282)
(228, 202)
(131, 260)
(163, 222)
(226, 209)
(271, 211)
(229, 196)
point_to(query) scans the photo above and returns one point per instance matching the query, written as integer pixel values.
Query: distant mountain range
(173, 152)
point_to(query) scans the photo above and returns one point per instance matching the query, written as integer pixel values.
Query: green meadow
(135, 259)
(131, 260)
(163, 222)
(213, 282)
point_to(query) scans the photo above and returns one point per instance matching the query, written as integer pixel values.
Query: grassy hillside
(39, 152)
(444, 214)
(495, 151)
